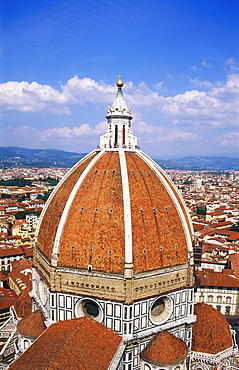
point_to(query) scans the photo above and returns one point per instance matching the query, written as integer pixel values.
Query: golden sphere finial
(119, 83)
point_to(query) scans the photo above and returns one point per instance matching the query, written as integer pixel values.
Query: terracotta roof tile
(165, 349)
(12, 251)
(54, 210)
(93, 232)
(211, 332)
(217, 279)
(7, 298)
(73, 344)
(32, 325)
(23, 304)
(91, 229)
(158, 225)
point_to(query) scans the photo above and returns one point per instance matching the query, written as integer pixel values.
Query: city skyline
(179, 62)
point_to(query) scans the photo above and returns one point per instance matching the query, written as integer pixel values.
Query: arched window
(123, 135)
(219, 308)
(228, 300)
(219, 299)
(116, 134)
(210, 299)
(228, 310)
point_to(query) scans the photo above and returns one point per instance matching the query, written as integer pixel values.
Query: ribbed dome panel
(157, 231)
(51, 216)
(94, 228)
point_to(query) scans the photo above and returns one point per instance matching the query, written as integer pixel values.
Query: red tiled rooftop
(21, 264)
(233, 237)
(217, 279)
(32, 325)
(197, 227)
(23, 304)
(80, 344)
(216, 213)
(165, 349)
(14, 251)
(7, 298)
(211, 332)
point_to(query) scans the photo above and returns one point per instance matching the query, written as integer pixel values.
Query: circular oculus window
(161, 310)
(88, 307)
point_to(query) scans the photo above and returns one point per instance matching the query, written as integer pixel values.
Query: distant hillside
(198, 163)
(13, 156)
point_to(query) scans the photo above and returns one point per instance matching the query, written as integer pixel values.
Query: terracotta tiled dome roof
(23, 304)
(211, 332)
(165, 349)
(116, 206)
(32, 325)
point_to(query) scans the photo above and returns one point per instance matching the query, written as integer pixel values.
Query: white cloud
(196, 82)
(85, 90)
(159, 85)
(151, 133)
(195, 68)
(205, 64)
(83, 130)
(232, 63)
(145, 132)
(229, 139)
(34, 97)
(29, 97)
(218, 104)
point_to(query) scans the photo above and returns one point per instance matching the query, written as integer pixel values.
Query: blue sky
(179, 60)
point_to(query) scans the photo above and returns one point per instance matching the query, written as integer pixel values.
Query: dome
(32, 325)
(116, 215)
(115, 207)
(211, 332)
(165, 349)
(23, 304)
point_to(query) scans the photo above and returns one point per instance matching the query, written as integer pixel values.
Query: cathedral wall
(112, 286)
(167, 311)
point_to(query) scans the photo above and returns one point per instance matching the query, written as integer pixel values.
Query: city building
(219, 289)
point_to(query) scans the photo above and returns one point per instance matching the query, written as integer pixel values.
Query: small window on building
(210, 299)
(228, 300)
(219, 308)
(219, 299)
(228, 310)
